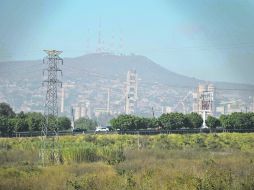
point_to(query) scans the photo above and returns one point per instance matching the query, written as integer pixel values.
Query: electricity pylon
(50, 151)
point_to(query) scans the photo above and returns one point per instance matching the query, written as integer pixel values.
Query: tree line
(173, 121)
(11, 122)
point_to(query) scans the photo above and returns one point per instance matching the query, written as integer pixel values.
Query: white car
(101, 129)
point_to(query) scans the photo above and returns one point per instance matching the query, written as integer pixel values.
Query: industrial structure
(131, 95)
(50, 150)
(51, 105)
(204, 99)
(204, 103)
(64, 94)
(82, 110)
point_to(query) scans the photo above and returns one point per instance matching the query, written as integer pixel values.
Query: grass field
(198, 161)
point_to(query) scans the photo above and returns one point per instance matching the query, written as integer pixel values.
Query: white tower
(211, 89)
(131, 92)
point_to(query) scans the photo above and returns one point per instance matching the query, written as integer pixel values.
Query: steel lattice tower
(50, 151)
(51, 105)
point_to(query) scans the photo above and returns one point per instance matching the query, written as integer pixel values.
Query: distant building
(220, 110)
(100, 111)
(131, 92)
(64, 95)
(82, 110)
(77, 112)
(231, 108)
(204, 99)
(211, 90)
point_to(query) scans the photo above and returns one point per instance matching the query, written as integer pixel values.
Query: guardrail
(185, 131)
(132, 132)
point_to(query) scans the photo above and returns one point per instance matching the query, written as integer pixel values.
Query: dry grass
(115, 162)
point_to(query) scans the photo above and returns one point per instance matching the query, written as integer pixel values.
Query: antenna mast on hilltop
(51, 106)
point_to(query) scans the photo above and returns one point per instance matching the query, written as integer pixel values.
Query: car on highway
(101, 129)
(79, 130)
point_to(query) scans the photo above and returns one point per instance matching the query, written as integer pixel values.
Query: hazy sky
(207, 39)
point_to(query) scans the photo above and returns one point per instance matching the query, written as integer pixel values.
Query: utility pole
(49, 148)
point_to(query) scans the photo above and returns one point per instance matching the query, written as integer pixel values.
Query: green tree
(237, 120)
(155, 123)
(251, 118)
(35, 121)
(150, 123)
(212, 122)
(195, 120)
(52, 123)
(128, 122)
(64, 123)
(6, 110)
(240, 120)
(21, 123)
(226, 122)
(141, 122)
(174, 120)
(6, 127)
(85, 123)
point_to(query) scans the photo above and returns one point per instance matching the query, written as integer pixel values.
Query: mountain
(116, 66)
(104, 65)
(91, 74)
